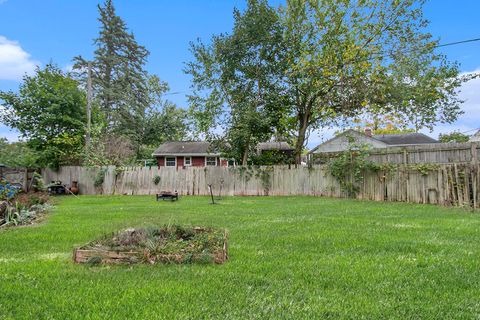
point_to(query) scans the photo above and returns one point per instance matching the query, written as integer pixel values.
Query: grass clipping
(168, 244)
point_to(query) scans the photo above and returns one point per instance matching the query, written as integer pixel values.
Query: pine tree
(119, 78)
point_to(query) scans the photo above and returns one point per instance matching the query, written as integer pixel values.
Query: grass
(290, 258)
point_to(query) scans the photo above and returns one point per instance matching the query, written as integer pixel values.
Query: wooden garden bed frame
(118, 257)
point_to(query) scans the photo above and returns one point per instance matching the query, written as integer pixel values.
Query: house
(342, 141)
(181, 154)
(475, 137)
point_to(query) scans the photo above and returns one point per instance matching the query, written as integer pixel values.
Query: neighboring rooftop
(184, 147)
(404, 138)
(274, 145)
(475, 137)
(342, 141)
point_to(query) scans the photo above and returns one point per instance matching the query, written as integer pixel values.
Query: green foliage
(272, 157)
(120, 81)
(99, 177)
(349, 167)
(230, 76)
(23, 209)
(265, 176)
(38, 182)
(17, 154)
(424, 168)
(284, 251)
(156, 180)
(131, 114)
(390, 123)
(326, 62)
(453, 137)
(49, 111)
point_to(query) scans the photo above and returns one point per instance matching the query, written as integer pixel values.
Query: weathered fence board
(20, 176)
(468, 152)
(447, 184)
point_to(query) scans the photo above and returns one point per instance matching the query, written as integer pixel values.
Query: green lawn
(290, 258)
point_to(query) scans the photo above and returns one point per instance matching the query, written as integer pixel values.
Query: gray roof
(185, 148)
(404, 138)
(274, 145)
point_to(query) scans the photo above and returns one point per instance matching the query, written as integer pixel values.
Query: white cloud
(14, 61)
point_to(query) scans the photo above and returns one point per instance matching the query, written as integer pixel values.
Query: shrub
(100, 178)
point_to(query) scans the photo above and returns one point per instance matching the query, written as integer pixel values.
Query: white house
(475, 137)
(342, 141)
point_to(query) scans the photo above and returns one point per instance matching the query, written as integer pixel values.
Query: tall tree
(49, 112)
(347, 57)
(163, 121)
(335, 59)
(119, 78)
(231, 79)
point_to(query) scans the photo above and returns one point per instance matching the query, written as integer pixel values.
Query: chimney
(368, 132)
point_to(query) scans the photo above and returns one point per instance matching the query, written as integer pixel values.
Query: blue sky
(34, 32)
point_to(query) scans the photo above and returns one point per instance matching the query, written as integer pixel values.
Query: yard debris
(167, 244)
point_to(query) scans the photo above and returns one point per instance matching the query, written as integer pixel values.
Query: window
(170, 162)
(211, 161)
(188, 161)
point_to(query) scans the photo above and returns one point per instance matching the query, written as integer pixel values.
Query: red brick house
(182, 154)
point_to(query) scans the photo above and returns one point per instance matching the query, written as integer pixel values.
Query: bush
(100, 178)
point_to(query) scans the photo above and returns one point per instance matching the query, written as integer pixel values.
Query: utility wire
(458, 42)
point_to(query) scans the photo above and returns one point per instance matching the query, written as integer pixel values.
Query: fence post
(474, 174)
(25, 180)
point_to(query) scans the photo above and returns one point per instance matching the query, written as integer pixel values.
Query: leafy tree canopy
(333, 60)
(129, 100)
(49, 112)
(234, 99)
(17, 154)
(454, 136)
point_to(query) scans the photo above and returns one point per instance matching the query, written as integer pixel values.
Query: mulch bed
(167, 244)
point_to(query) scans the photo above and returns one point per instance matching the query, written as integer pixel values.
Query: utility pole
(89, 105)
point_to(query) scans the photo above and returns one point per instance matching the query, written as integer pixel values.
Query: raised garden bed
(168, 244)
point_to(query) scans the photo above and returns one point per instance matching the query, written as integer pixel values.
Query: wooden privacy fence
(441, 153)
(447, 184)
(19, 176)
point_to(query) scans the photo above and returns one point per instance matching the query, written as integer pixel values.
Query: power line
(458, 42)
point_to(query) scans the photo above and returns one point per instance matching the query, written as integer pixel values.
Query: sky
(34, 32)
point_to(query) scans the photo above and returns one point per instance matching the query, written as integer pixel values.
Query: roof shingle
(404, 138)
(184, 147)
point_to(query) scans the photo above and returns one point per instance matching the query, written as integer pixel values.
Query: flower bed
(17, 208)
(168, 244)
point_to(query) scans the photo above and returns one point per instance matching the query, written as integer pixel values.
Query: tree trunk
(302, 132)
(245, 152)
